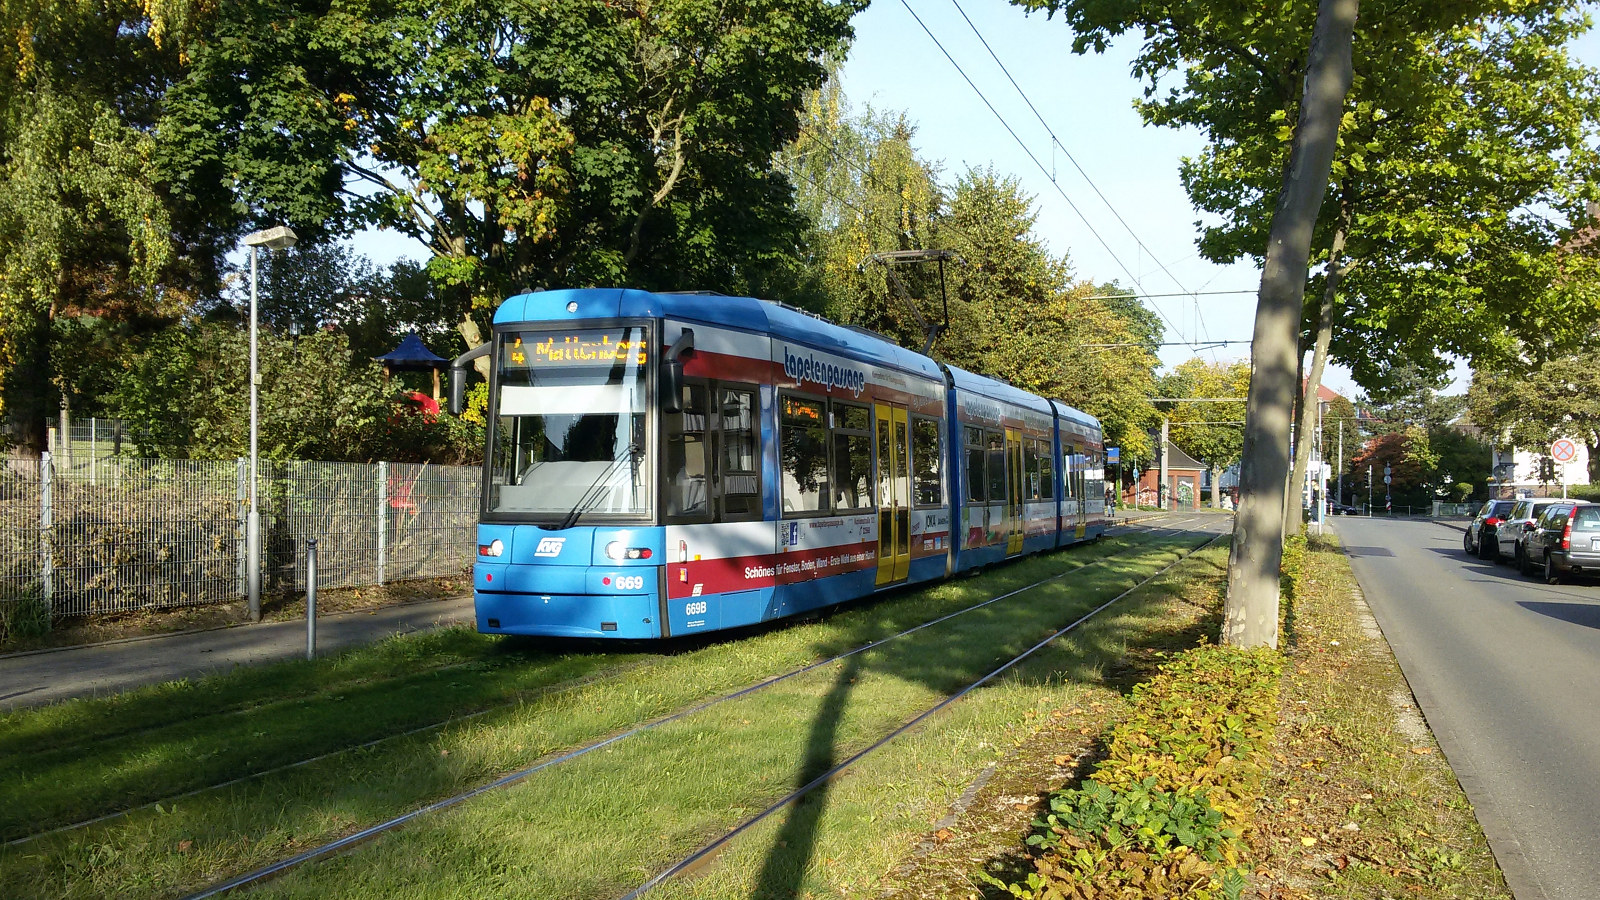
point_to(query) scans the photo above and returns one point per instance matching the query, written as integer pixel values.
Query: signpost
(1563, 451)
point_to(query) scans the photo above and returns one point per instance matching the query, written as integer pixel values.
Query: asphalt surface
(47, 676)
(1506, 670)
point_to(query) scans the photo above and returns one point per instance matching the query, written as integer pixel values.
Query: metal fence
(141, 534)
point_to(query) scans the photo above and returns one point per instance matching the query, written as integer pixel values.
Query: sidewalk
(48, 676)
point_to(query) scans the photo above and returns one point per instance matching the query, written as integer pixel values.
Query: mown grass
(607, 823)
(76, 763)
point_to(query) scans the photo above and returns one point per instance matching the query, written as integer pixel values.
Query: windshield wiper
(592, 494)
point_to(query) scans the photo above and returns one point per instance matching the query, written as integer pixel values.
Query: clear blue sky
(1087, 102)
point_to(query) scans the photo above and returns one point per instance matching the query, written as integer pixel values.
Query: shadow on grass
(1125, 649)
(785, 866)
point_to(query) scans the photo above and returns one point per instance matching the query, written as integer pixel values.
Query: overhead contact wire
(1020, 143)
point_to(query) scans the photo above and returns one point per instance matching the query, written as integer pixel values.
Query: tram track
(705, 852)
(347, 842)
(543, 693)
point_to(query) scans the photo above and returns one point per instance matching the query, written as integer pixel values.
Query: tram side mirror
(672, 386)
(672, 372)
(458, 376)
(458, 390)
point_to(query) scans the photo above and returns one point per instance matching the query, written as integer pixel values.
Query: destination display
(547, 350)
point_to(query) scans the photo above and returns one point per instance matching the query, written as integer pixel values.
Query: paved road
(30, 679)
(1507, 671)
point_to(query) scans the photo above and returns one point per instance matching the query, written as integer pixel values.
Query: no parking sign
(1563, 451)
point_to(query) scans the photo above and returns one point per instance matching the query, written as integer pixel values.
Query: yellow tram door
(1076, 488)
(1013, 492)
(894, 493)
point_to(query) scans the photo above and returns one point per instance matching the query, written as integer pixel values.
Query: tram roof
(743, 313)
(996, 389)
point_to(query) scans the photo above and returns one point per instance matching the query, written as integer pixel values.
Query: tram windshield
(567, 439)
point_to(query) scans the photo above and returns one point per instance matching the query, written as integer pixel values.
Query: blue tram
(662, 464)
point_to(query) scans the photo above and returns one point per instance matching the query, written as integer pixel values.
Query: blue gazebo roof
(412, 354)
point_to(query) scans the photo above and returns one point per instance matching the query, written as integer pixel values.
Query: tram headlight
(615, 550)
(493, 548)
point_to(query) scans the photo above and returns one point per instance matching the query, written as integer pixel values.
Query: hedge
(1164, 814)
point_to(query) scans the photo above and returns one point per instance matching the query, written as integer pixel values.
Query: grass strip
(864, 836)
(78, 761)
(1359, 802)
(602, 824)
(207, 836)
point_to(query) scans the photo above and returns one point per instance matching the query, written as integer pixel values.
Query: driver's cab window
(688, 494)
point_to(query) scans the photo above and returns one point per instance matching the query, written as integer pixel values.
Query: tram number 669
(628, 582)
(697, 608)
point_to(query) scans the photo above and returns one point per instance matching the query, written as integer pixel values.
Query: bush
(1162, 816)
(24, 617)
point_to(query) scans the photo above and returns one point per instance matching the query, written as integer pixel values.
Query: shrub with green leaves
(1162, 816)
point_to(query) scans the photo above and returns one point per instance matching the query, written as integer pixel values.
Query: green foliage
(575, 143)
(1464, 120)
(1163, 814)
(1218, 445)
(1531, 405)
(24, 616)
(188, 396)
(1015, 311)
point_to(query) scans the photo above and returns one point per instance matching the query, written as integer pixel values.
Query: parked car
(1480, 538)
(1565, 540)
(1342, 509)
(1509, 534)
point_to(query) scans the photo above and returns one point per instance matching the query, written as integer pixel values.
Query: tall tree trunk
(1216, 486)
(1251, 608)
(1319, 362)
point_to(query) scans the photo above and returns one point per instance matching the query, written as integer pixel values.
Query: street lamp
(279, 238)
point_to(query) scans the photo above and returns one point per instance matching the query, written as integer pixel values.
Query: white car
(1514, 529)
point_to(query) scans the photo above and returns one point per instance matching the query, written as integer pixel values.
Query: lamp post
(279, 238)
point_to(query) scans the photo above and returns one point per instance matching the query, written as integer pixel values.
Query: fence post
(94, 451)
(47, 562)
(383, 521)
(241, 551)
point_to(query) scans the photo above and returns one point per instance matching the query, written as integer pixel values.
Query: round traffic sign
(1563, 451)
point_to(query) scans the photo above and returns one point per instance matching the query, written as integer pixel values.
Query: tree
(1211, 432)
(187, 396)
(84, 226)
(1530, 407)
(575, 143)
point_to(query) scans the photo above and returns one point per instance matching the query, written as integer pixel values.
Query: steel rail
(332, 847)
(825, 777)
(549, 691)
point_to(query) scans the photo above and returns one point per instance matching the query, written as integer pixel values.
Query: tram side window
(852, 457)
(740, 455)
(925, 462)
(977, 481)
(803, 454)
(1030, 469)
(996, 444)
(687, 499)
(1068, 491)
(1047, 474)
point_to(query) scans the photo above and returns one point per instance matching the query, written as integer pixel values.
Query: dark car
(1565, 541)
(1480, 538)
